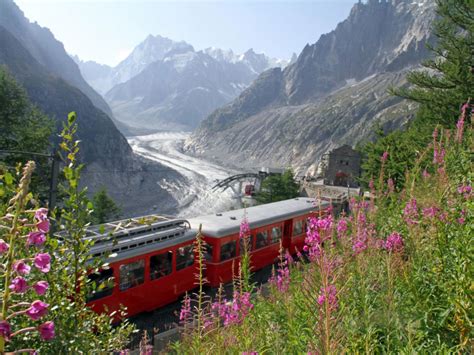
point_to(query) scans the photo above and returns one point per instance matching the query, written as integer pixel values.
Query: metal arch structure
(231, 180)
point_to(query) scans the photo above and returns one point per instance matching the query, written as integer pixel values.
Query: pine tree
(440, 88)
(105, 208)
(278, 187)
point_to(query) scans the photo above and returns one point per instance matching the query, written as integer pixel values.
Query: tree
(23, 128)
(105, 208)
(278, 187)
(446, 82)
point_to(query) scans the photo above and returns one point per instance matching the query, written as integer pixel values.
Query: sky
(106, 31)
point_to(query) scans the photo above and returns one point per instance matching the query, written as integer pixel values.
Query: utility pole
(53, 187)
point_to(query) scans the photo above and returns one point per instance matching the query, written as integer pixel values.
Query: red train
(152, 259)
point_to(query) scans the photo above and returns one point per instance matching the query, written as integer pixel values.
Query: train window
(276, 235)
(184, 257)
(132, 274)
(208, 249)
(298, 228)
(249, 240)
(228, 250)
(102, 284)
(161, 265)
(262, 240)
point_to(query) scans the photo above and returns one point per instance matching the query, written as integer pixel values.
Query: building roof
(227, 223)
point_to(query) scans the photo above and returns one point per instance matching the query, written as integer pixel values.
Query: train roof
(227, 223)
(134, 236)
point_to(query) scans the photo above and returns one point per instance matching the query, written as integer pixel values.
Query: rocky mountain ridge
(333, 94)
(181, 88)
(53, 82)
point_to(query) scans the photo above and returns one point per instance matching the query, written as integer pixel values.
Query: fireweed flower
(391, 186)
(425, 174)
(21, 267)
(37, 310)
(185, 310)
(36, 238)
(3, 246)
(41, 215)
(341, 227)
(384, 157)
(43, 262)
(41, 287)
(328, 294)
(465, 190)
(430, 212)
(394, 243)
(5, 330)
(460, 124)
(46, 330)
(18, 285)
(244, 228)
(410, 213)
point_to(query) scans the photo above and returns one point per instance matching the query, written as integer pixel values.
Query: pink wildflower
(328, 294)
(460, 124)
(391, 186)
(465, 190)
(426, 174)
(341, 227)
(3, 246)
(18, 285)
(41, 215)
(430, 212)
(21, 267)
(185, 310)
(46, 330)
(41, 287)
(394, 242)
(384, 157)
(5, 330)
(244, 228)
(37, 310)
(43, 262)
(410, 212)
(36, 238)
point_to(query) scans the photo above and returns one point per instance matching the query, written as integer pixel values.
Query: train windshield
(132, 274)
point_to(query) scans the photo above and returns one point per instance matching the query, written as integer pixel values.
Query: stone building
(341, 167)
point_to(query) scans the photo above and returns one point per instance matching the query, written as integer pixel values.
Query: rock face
(55, 85)
(332, 94)
(167, 85)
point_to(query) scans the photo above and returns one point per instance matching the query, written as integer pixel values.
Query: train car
(152, 259)
(283, 221)
(151, 264)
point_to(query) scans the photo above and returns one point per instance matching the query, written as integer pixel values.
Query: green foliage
(445, 83)
(23, 128)
(278, 187)
(105, 208)
(79, 329)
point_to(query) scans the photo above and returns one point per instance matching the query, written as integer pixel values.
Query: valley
(193, 192)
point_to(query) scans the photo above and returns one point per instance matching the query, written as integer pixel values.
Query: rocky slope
(334, 93)
(108, 157)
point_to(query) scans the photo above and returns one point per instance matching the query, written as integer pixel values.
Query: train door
(287, 229)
